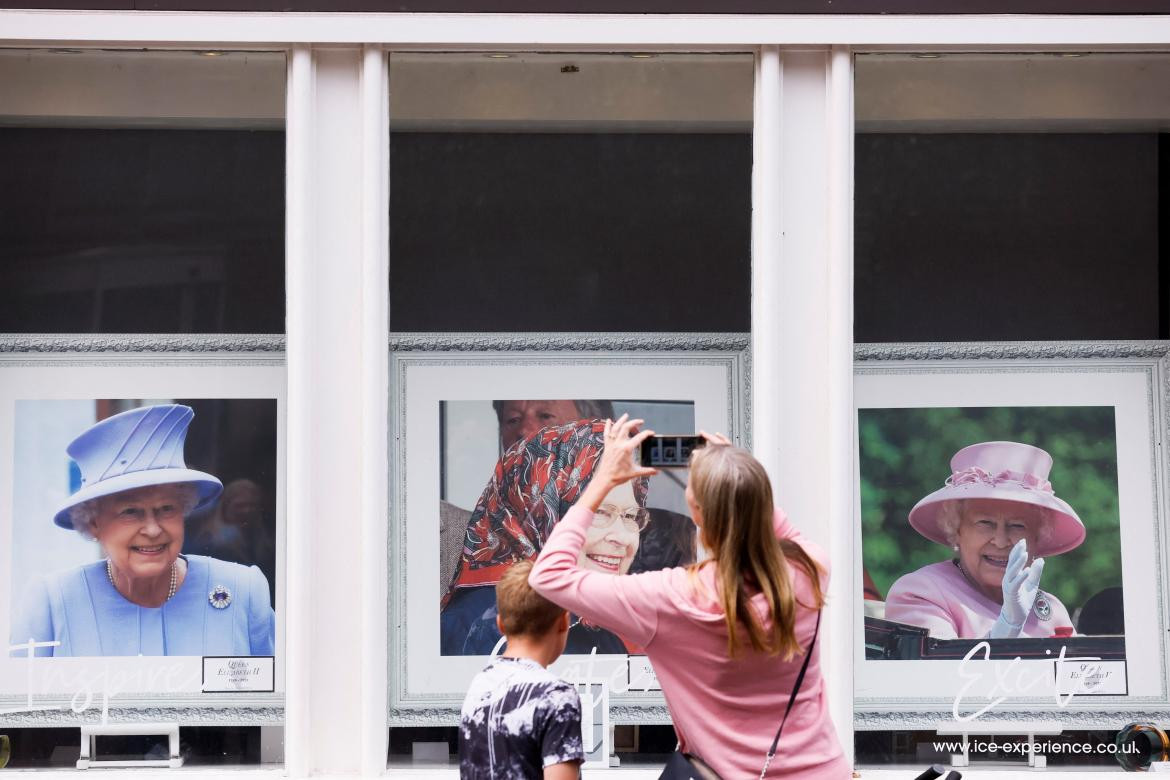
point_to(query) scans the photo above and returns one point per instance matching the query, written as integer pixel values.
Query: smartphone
(672, 450)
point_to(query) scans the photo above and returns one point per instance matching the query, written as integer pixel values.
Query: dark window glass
(148, 198)
(605, 192)
(1006, 236)
(617, 232)
(1011, 197)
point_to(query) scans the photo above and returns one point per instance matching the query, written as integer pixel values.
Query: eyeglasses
(635, 520)
(136, 514)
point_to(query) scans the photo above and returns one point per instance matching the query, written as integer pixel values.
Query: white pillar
(327, 238)
(767, 374)
(845, 587)
(802, 319)
(298, 305)
(790, 283)
(375, 398)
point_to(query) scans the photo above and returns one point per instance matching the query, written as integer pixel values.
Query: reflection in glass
(141, 192)
(564, 192)
(1010, 196)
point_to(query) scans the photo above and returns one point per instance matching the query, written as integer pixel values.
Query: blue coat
(81, 609)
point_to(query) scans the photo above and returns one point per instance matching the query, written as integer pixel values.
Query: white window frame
(337, 247)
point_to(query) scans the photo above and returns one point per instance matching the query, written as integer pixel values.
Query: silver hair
(83, 515)
(950, 515)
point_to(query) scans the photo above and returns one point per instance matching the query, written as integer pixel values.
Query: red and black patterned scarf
(534, 484)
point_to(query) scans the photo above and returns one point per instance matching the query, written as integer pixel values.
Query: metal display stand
(90, 733)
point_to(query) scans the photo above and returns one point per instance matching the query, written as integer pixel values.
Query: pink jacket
(724, 710)
(938, 597)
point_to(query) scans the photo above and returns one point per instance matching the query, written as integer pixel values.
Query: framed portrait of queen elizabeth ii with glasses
(532, 466)
(1010, 536)
(491, 446)
(142, 533)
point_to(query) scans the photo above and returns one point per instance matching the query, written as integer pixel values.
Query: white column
(790, 284)
(767, 374)
(299, 253)
(802, 319)
(845, 587)
(326, 265)
(375, 394)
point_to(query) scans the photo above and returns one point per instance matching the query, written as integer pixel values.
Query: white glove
(1021, 584)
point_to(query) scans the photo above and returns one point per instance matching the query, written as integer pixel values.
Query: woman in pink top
(726, 636)
(996, 511)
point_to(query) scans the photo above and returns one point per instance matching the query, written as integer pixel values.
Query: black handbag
(683, 766)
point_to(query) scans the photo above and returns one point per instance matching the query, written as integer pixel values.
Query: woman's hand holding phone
(716, 438)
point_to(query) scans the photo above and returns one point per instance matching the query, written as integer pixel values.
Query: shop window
(1010, 259)
(560, 192)
(1010, 197)
(544, 204)
(142, 192)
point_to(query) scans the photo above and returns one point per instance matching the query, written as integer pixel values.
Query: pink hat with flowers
(1002, 471)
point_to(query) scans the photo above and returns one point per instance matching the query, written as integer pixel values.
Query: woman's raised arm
(625, 604)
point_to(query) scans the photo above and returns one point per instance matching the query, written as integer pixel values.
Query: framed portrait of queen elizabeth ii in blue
(1010, 533)
(492, 443)
(142, 534)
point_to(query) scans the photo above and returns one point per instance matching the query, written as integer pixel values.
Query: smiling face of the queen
(988, 529)
(612, 540)
(141, 531)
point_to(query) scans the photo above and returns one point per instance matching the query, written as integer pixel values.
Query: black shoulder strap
(792, 698)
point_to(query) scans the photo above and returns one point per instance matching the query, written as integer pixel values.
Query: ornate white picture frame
(1131, 382)
(708, 370)
(71, 371)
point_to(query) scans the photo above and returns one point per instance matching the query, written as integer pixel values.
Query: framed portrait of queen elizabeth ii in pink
(1009, 533)
(141, 528)
(493, 438)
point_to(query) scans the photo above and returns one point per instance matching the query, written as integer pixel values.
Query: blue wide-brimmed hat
(134, 449)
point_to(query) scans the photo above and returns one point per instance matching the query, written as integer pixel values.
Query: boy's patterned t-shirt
(517, 719)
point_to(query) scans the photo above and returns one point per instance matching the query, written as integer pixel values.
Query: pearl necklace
(963, 571)
(170, 591)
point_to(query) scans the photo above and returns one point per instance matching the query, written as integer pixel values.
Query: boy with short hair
(518, 719)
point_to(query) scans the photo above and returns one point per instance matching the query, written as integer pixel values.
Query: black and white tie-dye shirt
(517, 719)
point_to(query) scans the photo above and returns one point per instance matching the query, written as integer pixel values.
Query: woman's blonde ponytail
(735, 499)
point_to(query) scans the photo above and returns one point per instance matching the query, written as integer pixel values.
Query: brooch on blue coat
(220, 597)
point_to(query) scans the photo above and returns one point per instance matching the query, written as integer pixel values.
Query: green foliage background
(906, 453)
